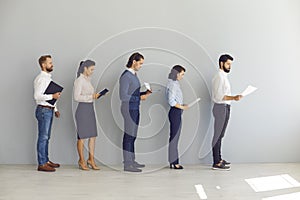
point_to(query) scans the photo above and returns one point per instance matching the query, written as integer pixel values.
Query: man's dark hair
(136, 56)
(174, 71)
(43, 59)
(223, 58)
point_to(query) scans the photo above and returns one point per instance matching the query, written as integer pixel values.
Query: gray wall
(263, 36)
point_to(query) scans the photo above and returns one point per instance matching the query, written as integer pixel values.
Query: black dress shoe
(176, 166)
(131, 168)
(138, 165)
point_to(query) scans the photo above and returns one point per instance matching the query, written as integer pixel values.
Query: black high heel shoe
(176, 166)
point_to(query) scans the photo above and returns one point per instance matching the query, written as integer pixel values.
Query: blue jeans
(44, 117)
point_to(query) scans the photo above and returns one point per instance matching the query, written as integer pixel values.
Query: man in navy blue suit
(131, 96)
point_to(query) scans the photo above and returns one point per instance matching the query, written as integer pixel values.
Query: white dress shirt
(41, 83)
(83, 89)
(132, 71)
(220, 87)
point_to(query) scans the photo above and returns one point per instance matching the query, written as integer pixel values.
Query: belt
(49, 107)
(223, 104)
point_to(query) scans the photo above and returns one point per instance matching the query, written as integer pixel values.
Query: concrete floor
(68, 182)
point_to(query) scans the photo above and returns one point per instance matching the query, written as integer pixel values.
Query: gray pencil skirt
(85, 120)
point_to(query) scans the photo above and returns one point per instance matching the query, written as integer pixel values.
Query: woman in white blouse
(84, 93)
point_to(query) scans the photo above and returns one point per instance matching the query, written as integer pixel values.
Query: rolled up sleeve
(171, 95)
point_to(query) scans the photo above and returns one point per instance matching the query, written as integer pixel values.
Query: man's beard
(226, 70)
(49, 69)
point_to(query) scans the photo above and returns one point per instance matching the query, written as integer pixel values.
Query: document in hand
(52, 89)
(193, 103)
(248, 90)
(147, 85)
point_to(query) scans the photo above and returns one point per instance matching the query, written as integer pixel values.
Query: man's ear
(43, 66)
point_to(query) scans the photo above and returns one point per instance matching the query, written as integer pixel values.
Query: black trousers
(131, 123)
(221, 114)
(175, 129)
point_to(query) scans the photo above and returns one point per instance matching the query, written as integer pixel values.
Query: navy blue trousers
(175, 129)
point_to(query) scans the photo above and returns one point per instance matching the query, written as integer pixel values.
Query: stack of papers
(193, 103)
(248, 90)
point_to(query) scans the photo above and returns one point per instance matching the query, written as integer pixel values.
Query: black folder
(52, 89)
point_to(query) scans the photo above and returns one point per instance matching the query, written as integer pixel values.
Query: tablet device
(103, 92)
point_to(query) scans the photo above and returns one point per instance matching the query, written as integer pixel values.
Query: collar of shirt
(223, 73)
(85, 77)
(173, 82)
(46, 74)
(132, 71)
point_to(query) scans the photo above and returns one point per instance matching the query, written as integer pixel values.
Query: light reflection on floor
(292, 196)
(270, 183)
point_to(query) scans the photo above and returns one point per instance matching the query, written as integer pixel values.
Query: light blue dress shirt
(174, 93)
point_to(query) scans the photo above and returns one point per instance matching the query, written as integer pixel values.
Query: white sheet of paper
(194, 102)
(248, 90)
(147, 85)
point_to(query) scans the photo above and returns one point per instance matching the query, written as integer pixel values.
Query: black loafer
(176, 166)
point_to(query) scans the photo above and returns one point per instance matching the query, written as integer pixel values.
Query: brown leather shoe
(45, 168)
(53, 165)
